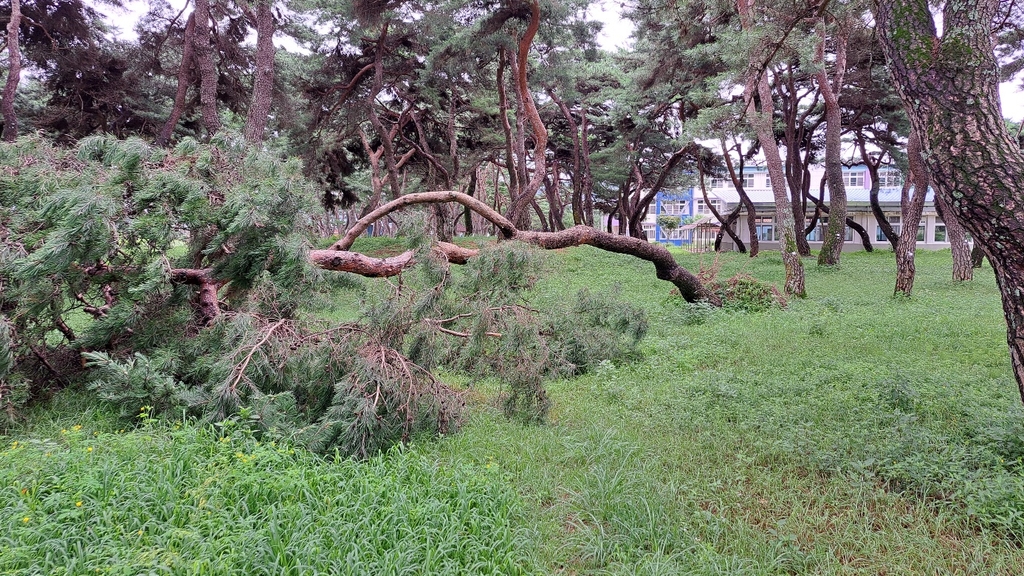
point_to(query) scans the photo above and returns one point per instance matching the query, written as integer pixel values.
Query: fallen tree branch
(207, 301)
(690, 287)
(245, 363)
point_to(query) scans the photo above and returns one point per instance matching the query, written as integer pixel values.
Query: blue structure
(674, 203)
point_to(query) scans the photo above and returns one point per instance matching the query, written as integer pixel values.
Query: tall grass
(187, 500)
(849, 433)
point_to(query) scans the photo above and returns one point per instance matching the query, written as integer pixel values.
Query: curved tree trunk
(745, 200)
(184, 81)
(689, 286)
(727, 223)
(263, 84)
(949, 87)
(13, 74)
(911, 217)
(835, 235)
(876, 208)
(207, 68)
(520, 205)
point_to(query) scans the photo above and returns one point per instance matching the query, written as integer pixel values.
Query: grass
(850, 433)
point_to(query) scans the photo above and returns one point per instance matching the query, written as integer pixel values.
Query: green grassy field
(850, 433)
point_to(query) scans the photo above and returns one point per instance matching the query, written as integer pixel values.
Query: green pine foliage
(106, 242)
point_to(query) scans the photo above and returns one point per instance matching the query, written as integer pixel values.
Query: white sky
(615, 34)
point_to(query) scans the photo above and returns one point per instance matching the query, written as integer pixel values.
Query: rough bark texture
(757, 82)
(13, 74)
(207, 68)
(835, 235)
(263, 83)
(689, 286)
(519, 207)
(911, 217)
(207, 302)
(963, 269)
(184, 81)
(949, 87)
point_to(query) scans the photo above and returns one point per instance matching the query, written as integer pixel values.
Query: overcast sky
(615, 34)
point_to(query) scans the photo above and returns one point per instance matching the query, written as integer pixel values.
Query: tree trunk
(587, 186)
(511, 158)
(745, 200)
(666, 267)
(949, 87)
(577, 163)
(540, 133)
(876, 208)
(184, 81)
(977, 256)
(957, 236)
(865, 238)
(207, 68)
(263, 84)
(13, 74)
(911, 217)
(757, 80)
(835, 235)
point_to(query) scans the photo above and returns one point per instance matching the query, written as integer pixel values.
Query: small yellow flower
(63, 430)
(78, 504)
(89, 449)
(140, 532)
(76, 427)
(25, 519)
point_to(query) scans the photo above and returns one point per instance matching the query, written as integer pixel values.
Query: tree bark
(911, 217)
(949, 87)
(835, 235)
(13, 74)
(865, 238)
(963, 269)
(529, 109)
(757, 81)
(263, 83)
(207, 68)
(184, 81)
(689, 286)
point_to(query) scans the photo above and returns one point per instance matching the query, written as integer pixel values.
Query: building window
(767, 180)
(748, 179)
(818, 234)
(939, 235)
(920, 233)
(890, 179)
(700, 208)
(894, 221)
(672, 207)
(853, 179)
(764, 226)
(718, 182)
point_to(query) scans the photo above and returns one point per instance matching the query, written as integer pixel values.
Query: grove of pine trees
(178, 205)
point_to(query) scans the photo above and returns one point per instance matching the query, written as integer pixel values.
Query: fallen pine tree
(187, 279)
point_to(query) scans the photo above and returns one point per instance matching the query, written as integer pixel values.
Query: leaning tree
(949, 84)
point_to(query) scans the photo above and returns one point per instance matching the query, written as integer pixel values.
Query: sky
(615, 34)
